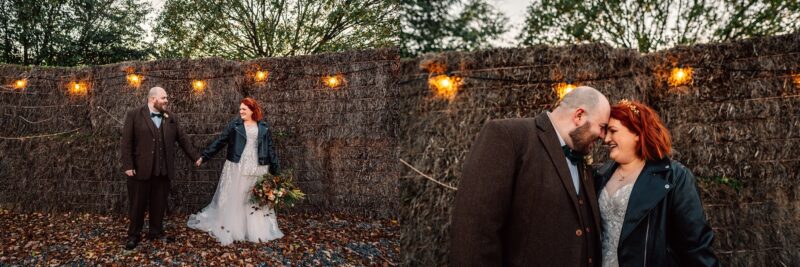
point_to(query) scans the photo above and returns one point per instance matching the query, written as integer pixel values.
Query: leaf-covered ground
(89, 239)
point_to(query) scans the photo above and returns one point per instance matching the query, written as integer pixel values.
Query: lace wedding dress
(230, 216)
(612, 212)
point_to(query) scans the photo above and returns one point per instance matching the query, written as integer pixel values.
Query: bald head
(587, 98)
(156, 91)
(581, 117)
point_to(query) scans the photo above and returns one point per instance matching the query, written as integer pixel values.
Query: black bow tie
(573, 156)
(156, 115)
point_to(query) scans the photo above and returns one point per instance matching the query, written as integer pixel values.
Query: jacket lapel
(166, 125)
(589, 186)
(240, 128)
(262, 130)
(650, 188)
(549, 138)
(150, 124)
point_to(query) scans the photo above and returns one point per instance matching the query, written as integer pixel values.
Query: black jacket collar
(239, 126)
(650, 188)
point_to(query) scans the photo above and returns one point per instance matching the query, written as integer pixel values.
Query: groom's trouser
(147, 195)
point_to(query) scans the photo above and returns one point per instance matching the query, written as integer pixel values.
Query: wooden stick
(112, 116)
(426, 176)
(36, 136)
(34, 122)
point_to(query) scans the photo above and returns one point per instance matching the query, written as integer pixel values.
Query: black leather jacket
(235, 137)
(664, 223)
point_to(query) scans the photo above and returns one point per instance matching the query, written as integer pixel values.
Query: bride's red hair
(253, 106)
(640, 119)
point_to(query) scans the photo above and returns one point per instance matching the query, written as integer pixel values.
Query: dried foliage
(57, 239)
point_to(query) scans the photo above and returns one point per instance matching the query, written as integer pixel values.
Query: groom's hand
(130, 173)
(198, 162)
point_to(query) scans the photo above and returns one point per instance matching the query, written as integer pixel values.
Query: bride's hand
(198, 162)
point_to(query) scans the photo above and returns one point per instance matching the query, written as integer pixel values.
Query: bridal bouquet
(276, 191)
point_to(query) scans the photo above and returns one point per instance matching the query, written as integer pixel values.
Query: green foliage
(244, 29)
(72, 32)
(649, 25)
(428, 26)
(731, 182)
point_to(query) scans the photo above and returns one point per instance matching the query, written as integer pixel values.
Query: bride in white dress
(230, 216)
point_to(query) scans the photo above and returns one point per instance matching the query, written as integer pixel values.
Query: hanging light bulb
(135, 79)
(445, 86)
(199, 86)
(78, 88)
(20, 84)
(564, 88)
(333, 81)
(680, 76)
(261, 75)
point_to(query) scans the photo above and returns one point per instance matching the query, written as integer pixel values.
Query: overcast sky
(515, 11)
(157, 5)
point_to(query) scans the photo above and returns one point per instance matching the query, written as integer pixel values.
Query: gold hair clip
(630, 105)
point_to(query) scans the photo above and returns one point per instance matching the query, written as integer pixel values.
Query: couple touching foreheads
(148, 149)
(527, 198)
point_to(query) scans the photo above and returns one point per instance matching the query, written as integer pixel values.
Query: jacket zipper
(646, 237)
(237, 130)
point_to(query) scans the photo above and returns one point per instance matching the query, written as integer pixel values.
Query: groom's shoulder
(134, 111)
(513, 125)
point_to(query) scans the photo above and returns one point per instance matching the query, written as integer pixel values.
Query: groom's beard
(582, 139)
(160, 106)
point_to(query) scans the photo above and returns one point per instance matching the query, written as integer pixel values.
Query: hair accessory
(630, 105)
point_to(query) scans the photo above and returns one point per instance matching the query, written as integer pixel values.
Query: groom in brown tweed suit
(148, 159)
(525, 196)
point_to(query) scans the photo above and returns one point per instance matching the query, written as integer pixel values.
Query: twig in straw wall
(427, 176)
(37, 136)
(112, 116)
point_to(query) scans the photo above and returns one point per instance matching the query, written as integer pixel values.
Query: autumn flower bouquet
(276, 191)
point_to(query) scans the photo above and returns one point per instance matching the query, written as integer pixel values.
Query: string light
(199, 86)
(135, 79)
(333, 81)
(445, 86)
(78, 88)
(680, 76)
(796, 79)
(564, 88)
(20, 84)
(261, 75)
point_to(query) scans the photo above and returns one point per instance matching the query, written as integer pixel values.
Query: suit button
(578, 232)
(154, 140)
(590, 260)
(580, 201)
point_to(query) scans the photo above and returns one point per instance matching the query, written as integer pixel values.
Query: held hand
(130, 173)
(198, 162)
